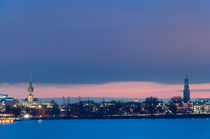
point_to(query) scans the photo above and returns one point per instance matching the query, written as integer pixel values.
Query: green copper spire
(30, 76)
(30, 88)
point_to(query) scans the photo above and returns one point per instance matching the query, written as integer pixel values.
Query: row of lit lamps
(6, 121)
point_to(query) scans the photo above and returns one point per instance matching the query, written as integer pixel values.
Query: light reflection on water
(108, 129)
(40, 121)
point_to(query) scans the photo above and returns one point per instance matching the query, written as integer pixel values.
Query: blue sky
(97, 41)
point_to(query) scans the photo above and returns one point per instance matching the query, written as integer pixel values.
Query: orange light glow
(6, 121)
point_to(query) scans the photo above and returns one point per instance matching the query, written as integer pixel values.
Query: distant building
(136, 100)
(30, 101)
(3, 96)
(202, 105)
(6, 101)
(186, 91)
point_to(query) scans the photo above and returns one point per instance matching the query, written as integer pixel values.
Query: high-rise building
(186, 91)
(30, 92)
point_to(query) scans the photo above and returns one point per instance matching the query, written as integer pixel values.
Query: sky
(102, 43)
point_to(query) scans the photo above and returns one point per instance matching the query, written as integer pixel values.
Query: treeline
(150, 106)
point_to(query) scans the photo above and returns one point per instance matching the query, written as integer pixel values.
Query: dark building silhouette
(186, 92)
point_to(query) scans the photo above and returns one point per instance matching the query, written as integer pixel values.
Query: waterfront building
(186, 91)
(136, 100)
(3, 96)
(6, 101)
(36, 103)
(202, 105)
(188, 107)
(30, 101)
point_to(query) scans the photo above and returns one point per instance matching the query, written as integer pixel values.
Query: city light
(26, 116)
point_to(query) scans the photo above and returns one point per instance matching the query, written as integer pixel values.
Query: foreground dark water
(108, 129)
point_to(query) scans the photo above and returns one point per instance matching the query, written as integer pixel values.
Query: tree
(174, 104)
(151, 104)
(53, 112)
(16, 111)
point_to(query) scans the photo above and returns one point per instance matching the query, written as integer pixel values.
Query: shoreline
(187, 116)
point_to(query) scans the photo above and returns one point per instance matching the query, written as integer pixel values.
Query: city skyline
(104, 69)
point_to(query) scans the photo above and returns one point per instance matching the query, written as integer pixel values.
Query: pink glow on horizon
(115, 89)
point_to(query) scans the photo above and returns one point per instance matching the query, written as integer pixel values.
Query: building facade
(6, 101)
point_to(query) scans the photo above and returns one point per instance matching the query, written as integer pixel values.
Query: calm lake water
(108, 129)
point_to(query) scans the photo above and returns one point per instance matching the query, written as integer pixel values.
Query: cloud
(104, 41)
(113, 89)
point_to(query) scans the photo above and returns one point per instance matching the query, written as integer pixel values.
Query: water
(108, 129)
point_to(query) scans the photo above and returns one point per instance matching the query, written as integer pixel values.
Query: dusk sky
(105, 47)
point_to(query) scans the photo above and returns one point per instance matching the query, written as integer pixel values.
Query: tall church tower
(186, 92)
(30, 92)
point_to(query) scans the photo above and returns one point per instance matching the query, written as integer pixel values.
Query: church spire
(186, 91)
(30, 91)
(30, 76)
(30, 88)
